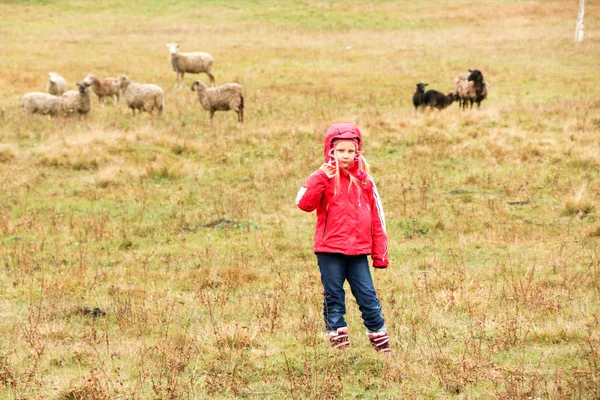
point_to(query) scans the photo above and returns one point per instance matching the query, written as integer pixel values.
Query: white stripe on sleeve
(379, 206)
(300, 194)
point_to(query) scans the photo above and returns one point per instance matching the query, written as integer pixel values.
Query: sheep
(77, 101)
(142, 96)
(481, 87)
(418, 95)
(193, 63)
(41, 103)
(433, 98)
(470, 88)
(107, 87)
(221, 98)
(56, 84)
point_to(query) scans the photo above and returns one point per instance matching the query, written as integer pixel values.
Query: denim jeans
(337, 268)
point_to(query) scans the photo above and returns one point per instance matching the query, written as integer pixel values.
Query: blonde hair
(363, 164)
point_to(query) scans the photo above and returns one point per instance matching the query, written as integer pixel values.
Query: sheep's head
(172, 48)
(53, 77)
(475, 76)
(421, 86)
(89, 79)
(198, 86)
(82, 87)
(124, 81)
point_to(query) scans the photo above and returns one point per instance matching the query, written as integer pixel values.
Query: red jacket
(350, 222)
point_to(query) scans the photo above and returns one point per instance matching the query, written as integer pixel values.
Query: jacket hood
(339, 132)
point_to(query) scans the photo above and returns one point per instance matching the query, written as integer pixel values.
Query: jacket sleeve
(310, 194)
(379, 252)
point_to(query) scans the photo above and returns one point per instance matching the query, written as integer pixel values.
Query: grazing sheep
(56, 84)
(193, 63)
(433, 98)
(142, 96)
(41, 103)
(77, 101)
(418, 95)
(107, 87)
(221, 98)
(470, 88)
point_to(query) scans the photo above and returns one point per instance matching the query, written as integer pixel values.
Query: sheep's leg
(212, 114)
(212, 79)
(101, 100)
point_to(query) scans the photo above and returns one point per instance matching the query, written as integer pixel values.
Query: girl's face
(344, 153)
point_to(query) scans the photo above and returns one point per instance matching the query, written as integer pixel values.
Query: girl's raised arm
(310, 194)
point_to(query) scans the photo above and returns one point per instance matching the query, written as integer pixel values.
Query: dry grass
(163, 257)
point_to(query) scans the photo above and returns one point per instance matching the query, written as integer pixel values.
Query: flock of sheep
(138, 96)
(469, 88)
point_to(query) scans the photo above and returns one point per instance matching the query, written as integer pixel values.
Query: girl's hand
(328, 169)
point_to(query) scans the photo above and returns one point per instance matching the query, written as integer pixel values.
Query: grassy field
(185, 236)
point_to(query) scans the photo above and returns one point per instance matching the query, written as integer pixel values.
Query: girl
(350, 226)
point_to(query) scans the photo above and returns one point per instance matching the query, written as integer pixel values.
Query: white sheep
(107, 87)
(41, 103)
(193, 63)
(142, 96)
(56, 84)
(77, 101)
(470, 88)
(221, 98)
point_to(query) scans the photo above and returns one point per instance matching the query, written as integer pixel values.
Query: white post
(579, 27)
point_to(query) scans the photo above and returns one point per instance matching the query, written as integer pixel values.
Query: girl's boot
(339, 338)
(381, 342)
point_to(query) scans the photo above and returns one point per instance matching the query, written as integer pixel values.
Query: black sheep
(433, 98)
(418, 95)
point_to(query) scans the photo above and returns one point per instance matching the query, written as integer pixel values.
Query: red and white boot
(380, 342)
(339, 338)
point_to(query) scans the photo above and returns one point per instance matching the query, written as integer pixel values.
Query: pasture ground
(186, 237)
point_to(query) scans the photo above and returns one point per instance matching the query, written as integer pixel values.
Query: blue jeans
(335, 269)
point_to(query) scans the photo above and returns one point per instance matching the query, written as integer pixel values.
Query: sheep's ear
(470, 71)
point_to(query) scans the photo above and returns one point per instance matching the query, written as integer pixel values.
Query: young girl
(350, 226)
